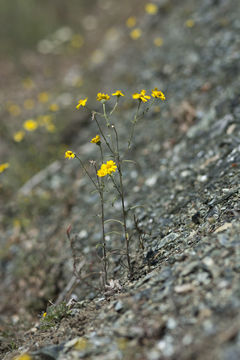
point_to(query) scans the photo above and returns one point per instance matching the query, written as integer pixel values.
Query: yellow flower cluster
(96, 140)
(3, 167)
(102, 96)
(107, 169)
(138, 96)
(144, 98)
(69, 155)
(81, 103)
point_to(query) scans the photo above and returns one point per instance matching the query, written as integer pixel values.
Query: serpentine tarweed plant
(107, 141)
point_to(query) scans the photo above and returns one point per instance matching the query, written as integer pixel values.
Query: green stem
(102, 134)
(101, 194)
(84, 168)
(121, 192)
(105, 114)
(133, 125)
(115, 106)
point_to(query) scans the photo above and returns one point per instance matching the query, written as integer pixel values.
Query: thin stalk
(105, 114)
(101, 151)
(124, 220)
(115, 106)
(103, 229)
(83, 166)
(103, 136)
(136, 118)
(133, 125)
(103, 239)
(121, 192)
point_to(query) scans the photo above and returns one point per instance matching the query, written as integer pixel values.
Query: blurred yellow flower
(28, 83)
(77, 41)
(96, 140)
(18, 136)
(44, 120)
(136, 33)
(54, 107)
(69, 155)
(30, 125)
(14, 109)
(118, 93)
(158, 94)
(102, 96)
(3, 167)
(189, 23)
(44, 315)
(43, 97)
(131, 21)
(81, 103)
(141, 96)
(29, 104)
(50, 128)
(158, 41)
(80, 344)
(151, 8)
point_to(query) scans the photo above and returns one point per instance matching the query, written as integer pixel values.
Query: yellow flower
(118, 93)
(189, 23)
(81, 103)
(69, 155)
(44, 120)
(3, 167)
(18, 136)
(151, 8)
(80, 344)
(102, 96)
(14, 110)
(131, 21)
(158, 94)
(77, 41)
(136, 33)
(23, 357)
(43, 97)
(44, 315)
(50, 128)
(28, 83)
(102, 171)
(141, 96)
(96, 140)
(111, 166)
(107, 169)
(28, 104)
(158, 41)
(54, 107)
(30, 125)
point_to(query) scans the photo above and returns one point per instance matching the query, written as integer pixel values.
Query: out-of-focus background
(49, 54)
